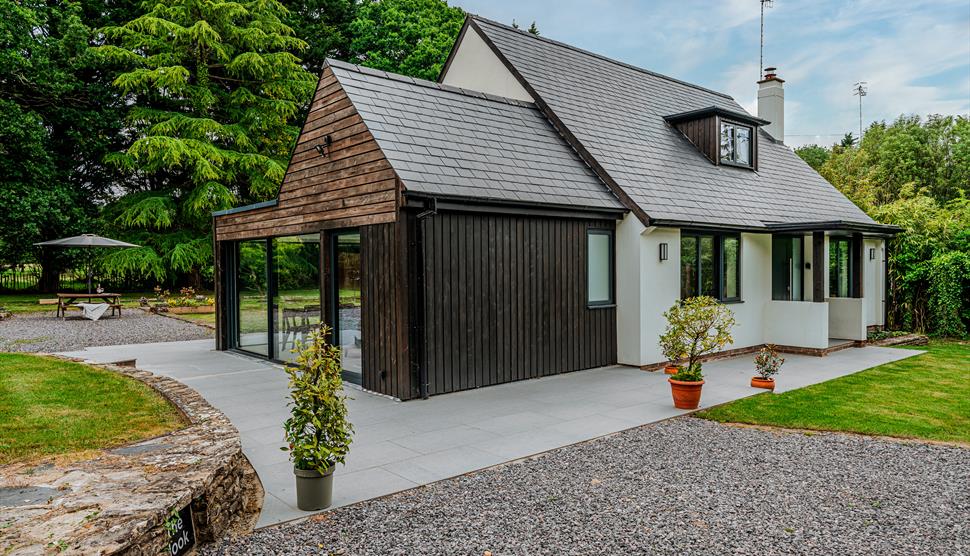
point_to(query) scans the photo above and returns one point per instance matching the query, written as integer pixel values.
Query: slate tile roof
(445, 141)
(616, 111)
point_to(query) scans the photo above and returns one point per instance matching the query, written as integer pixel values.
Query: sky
(914, 55)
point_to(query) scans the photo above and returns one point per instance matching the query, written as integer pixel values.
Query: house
(534, 212)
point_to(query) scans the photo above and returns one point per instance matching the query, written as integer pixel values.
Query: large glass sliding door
(346, 296)
(252, 303)
(296, 303)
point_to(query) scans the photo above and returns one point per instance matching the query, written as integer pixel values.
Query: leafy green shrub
(949, 281)
(318, 434)
(703, 325)
(767, 363)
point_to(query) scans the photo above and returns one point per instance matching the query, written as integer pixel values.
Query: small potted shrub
(766, 364)
(705, 326)
(672, 347)
(318, 434)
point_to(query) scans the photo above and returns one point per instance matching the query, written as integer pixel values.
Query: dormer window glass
(736, 144)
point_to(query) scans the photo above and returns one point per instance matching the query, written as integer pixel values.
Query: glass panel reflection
(296, 308)
(253, 300)
(347, 283)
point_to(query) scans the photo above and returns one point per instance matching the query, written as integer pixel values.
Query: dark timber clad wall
(384, 310)
(506, 300)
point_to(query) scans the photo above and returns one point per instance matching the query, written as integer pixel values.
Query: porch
(399, 446)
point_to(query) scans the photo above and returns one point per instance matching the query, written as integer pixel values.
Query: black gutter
(715, 111)
(493, 205)
(244, 208)
(836, 225)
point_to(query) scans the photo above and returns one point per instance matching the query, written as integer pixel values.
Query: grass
(27, 303)
(925, 397)
(50, 407)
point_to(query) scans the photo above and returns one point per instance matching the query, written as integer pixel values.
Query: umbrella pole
(90, 274)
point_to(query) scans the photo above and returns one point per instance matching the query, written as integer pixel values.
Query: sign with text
(181, 532)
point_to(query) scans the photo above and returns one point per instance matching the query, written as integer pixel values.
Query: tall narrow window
(710, 264)
(787, 262)
(841, 268)
(599, 267)
(736, 147)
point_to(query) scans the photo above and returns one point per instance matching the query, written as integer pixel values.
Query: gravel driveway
(684, 486)
(48, 334)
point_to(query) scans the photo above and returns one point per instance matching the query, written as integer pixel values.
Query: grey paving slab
(402, 445)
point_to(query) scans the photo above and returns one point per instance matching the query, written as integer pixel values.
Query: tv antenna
(860, 90)
(761, 58)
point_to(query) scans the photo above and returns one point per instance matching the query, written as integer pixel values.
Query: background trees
(214, 94)
(915, 174)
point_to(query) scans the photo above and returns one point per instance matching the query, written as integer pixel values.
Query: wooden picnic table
(65, 300)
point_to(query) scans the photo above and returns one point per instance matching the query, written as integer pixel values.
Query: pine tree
(215, 94)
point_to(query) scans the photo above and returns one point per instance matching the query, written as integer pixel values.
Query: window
(599, 267)
(736, 144)
(787, 268)
(710, 264)
(841, 267)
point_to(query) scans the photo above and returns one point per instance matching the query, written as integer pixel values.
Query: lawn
(28, 303)
(927, 397)
(52, 407)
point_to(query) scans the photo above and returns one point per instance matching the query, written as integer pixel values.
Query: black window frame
(852, 266)
(611, 302)
(719, 266)
(734, 155)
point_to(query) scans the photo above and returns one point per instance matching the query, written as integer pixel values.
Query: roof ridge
(364, 70)
(599, 56)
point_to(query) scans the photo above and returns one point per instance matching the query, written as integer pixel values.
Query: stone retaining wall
(117, 502)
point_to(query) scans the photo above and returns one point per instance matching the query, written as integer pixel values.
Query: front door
(346, 300)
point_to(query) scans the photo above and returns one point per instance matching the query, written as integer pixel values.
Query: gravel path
(48, 334)
(684, 486)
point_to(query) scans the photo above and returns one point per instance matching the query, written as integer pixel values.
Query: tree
(847, 141)
(324, 25)
(534, 29)
(411, 37)
(215, 93)
(814, 155)
(58, 118)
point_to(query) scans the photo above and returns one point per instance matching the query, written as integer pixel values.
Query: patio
(399, 446)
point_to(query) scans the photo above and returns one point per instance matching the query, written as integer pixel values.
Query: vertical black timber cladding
(818, 267)
(385, 319)
(505, 300)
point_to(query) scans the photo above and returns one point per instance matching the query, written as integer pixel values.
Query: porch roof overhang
(244, 208)
(869, 228)
(506, 206)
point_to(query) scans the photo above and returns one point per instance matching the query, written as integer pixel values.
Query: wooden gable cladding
(353, 185)
(703, 133)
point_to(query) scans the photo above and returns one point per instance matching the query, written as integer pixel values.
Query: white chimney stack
(771, 103)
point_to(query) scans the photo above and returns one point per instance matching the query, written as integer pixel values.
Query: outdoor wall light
(872, 253)
(322, 149)
(663, 251)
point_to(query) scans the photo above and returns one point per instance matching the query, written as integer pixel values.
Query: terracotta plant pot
(766, 383)
(671, 369)
(687, 395)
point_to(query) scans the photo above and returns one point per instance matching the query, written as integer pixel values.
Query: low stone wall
(117, 503)
(905, 340)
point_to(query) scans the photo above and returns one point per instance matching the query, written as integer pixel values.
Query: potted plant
(672, 346)
(766, 364)
(705, 327)
(318, 434)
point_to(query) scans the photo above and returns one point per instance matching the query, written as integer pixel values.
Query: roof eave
(715, 111)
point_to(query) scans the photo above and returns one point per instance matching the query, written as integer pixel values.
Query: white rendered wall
(476, 67)
(797, 323)
(873, 287)
(847, 318)
(646, 287)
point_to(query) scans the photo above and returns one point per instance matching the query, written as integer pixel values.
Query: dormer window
(736, 144)
(724, 137)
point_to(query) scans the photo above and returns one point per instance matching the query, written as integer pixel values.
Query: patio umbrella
(85, 240)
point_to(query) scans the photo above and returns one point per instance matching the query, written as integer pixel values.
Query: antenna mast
(761, 59)
(860, 90)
